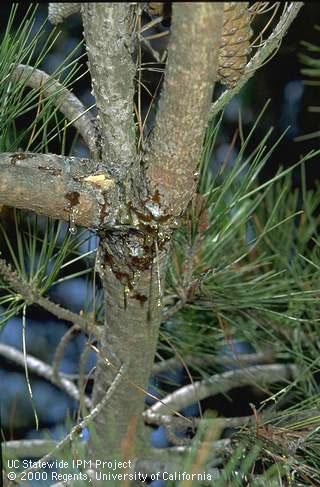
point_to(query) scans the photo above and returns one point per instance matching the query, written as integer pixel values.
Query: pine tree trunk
(154, 189)
(132, 273)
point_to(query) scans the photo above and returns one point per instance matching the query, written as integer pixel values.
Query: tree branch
(219, 383)
(261, 56)
(65, 100)
(207, 423)
(176, 142)
(86, 420)
(60, 187)
(44, 370)
(60, 350)
(60, 11)
(28, 448)
(206, 360)
(106, 31)
(32, 296)
(87, 326)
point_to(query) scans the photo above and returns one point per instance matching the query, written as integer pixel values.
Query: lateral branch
(60, 187)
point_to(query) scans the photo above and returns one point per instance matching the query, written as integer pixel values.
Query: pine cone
(155, 8)
(235, 46)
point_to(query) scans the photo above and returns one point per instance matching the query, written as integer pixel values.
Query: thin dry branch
(179, 423)
(42, 369)
(32, 296)
(258, 375)
(64, 99)
(28, 448)
(86, 420)
(60, 350)
(176, 141)
(65, 188)
(270, 45)
(87, 326)
(205, 360)
(175, 425)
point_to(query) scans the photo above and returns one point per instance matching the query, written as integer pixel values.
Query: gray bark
(133, 307)
(106, 30)
(176, 142)
(132, 261)
(60, 187)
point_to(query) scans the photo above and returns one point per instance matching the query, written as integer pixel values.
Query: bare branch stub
(60, 187)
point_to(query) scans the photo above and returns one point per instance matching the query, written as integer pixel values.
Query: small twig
(170, 311)
(32, 296)
(165, 419)
(42, 369)
(83, 379)
(206, 360)
(64, 314)
(25, 361)
(175, 425)
(78, 427)
(219, 383)
(154, 53)
(58, 354)
(64, 99)
(184, 364)
(269, 46)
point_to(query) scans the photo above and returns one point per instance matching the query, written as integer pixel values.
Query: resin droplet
(72, 221)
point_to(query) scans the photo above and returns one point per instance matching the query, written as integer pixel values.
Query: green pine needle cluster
(25, 46)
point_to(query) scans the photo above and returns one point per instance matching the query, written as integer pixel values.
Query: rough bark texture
(112, 73)
(131, 261)
(176, 142)
(60, 187)
(133, 286)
